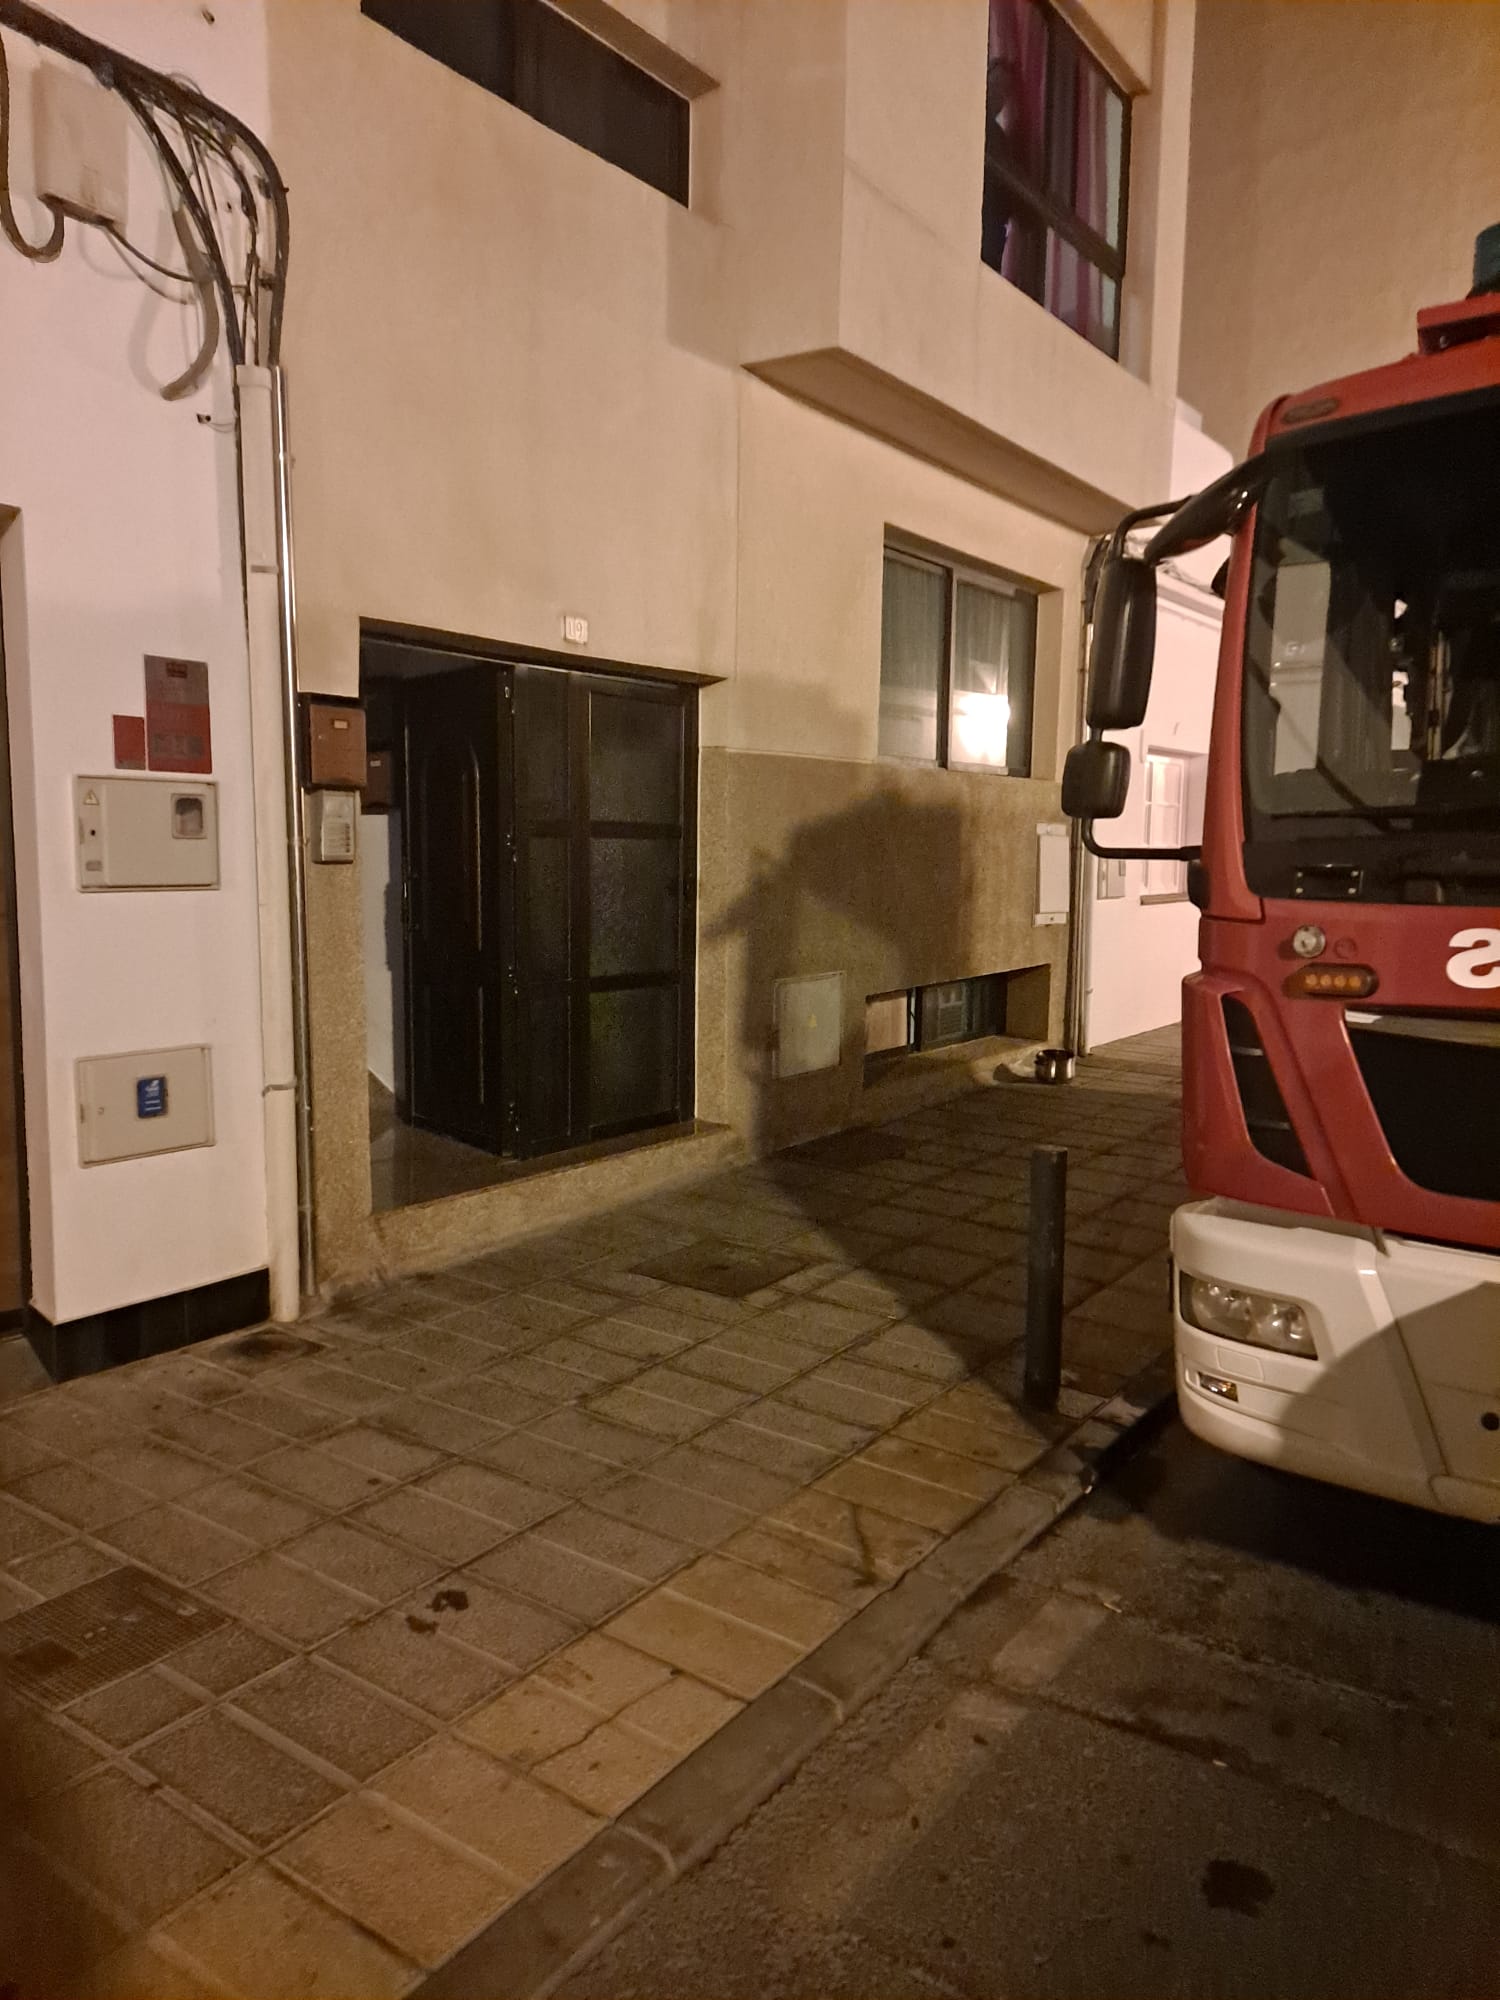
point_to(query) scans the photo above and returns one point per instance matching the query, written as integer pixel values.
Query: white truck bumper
(1404, 1396)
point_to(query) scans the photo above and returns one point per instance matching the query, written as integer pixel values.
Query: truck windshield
(1372, 667)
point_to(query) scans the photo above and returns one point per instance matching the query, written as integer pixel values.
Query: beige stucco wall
(1344, 157)
(525, 385)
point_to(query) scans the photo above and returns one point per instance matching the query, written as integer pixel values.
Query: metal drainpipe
(296, 846)
(1075, 988)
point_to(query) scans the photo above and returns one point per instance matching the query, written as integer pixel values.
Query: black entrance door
(457, 906)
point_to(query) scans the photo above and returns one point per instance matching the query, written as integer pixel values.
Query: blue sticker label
(150, 1096)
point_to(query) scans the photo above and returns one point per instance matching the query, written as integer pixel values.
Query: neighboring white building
(1142, 930)
(736, 446)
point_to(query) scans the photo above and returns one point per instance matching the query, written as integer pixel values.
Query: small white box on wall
(154, 1101)
(809, 1023)
(1051, 874)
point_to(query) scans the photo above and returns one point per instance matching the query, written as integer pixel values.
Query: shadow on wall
(879, 890)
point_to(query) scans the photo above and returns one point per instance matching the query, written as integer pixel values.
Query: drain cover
(722, 1268)
(75, 1643)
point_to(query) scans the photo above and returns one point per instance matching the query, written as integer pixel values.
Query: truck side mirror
(1124, 644)
(1096, 777)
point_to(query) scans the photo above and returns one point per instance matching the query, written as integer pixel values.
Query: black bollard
(1044, 1276)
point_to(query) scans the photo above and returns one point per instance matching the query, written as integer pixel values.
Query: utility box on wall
(146, 833)
(156, 1101)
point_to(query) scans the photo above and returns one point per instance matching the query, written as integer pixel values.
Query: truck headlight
(1254, 1317)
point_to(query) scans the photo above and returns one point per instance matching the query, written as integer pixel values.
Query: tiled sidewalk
(319, 1649)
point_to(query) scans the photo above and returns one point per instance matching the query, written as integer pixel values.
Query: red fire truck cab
(1337, 1285)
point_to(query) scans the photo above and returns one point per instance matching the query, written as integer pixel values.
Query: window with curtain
(1056, 169)
(957, 663)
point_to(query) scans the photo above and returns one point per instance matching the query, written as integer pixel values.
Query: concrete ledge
(554, 1929)
(710, 1792)
(546, 1933)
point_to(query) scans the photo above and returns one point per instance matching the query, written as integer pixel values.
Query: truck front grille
(1434, 1081)
(1266, 1117)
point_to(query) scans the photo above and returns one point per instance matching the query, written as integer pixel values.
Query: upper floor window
(1056, 169)
(957, 662)
(547, 66)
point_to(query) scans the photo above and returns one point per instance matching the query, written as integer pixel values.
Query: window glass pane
(1078, 293)
(1166, 821)
(1013, 241)
(475, 40)
(635, 760)
(913, 641)
(635, 888)
(1016, 84)
(541, 751)
(1086, 142)
(994, 647)
(588, 93)
(632, 1056)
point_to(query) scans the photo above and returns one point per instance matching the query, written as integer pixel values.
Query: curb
(558, 1926)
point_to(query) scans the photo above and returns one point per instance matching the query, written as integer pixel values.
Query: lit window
(1056, 169)
(1166, 820)
(957, 662)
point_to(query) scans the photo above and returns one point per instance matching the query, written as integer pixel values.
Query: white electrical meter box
(809, 1023)
(82, 162)
(146, 833)
(157, 1101)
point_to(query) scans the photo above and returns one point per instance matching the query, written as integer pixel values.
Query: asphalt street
(1223, 1732)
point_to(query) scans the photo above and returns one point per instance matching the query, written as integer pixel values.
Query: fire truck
(1336, 1282)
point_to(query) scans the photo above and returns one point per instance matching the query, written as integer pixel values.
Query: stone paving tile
(24, 1533)
(404, 1654)
(176, 1544)
(239, 1777)
(621, 1544)
(680, 1714)
(313, 1473)
(261, 1515)
(537, 1461)
(880, 1546)
(609, 1769)
(451, 1535)
(347, 1555)
(670, 1510)
(529, 1723)
(141, 1853)
(752, 1487)
(133, 1708)
(617, 1444)
(734, 1657)
(477, 1613)
(1007, 1450)
(773, 1604)
(823, 1569)
(226, 1659)
(222, 1439)
(605, 1674)
(291, 1602)
(752, 1373)
(337, 1718)
(490, 1493)
(76, 1494)
(572, 1584)
(525, 1829)
(797, 1461)
(157, 1469)
(652, 1414)
(300, 1949)
(414, 1891)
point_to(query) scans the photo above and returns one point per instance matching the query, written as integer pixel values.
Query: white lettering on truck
(1478, 964)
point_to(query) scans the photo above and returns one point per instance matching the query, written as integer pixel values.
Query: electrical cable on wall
(196, 142)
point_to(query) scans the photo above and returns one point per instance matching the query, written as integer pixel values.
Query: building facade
(699, 417)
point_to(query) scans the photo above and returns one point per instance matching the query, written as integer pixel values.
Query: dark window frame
(511, 63)
(957, 573)
(1035, 194)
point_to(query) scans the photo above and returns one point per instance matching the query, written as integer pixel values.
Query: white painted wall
(1139, 953)
(124, 541)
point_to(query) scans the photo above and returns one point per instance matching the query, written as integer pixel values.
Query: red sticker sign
(130, 742)
(177, 728)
